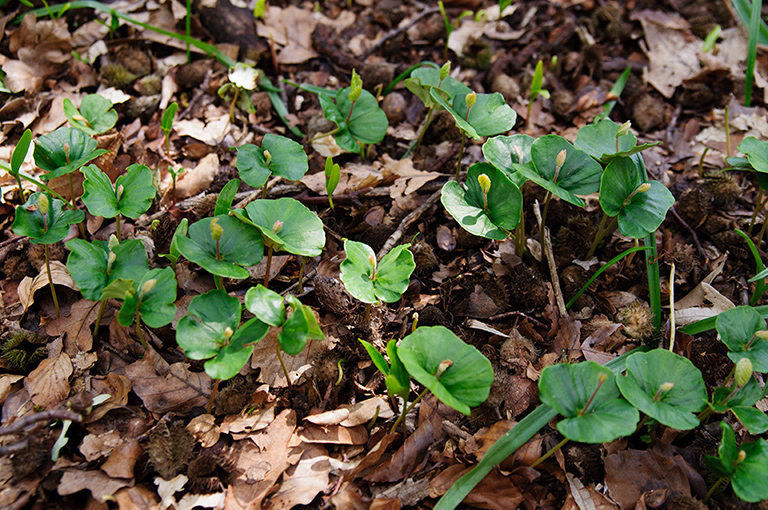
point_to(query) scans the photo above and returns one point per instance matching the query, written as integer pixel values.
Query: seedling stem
(102, 306)
(270, 249)
(598, 236)
(758, 206)
(549, 453)
(715, 487)
(138, 331)
(214, 391)
(406, 410)
(300, 287)
(282, 364)
(50, 279)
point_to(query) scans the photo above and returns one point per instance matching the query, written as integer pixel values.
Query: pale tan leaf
(116, 386)
(204, 429)
(123, 459)
(48, 384)
(101, 486)
(8, 385)
(76, 326)
(29, 286)
(265, 357)
(94, 447)
(164, 387)
(305, 480)
(334, 434)
(198, 179)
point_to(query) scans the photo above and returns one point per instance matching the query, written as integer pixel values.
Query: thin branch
(399, 30)
(24, 422)
(409, 220)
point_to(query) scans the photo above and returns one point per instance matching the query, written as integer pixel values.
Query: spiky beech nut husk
(43, 204)
(445, 70)
(743, 372)
(355, 86)
(117, 76)
(637, 319)
(216, 230)
(485, 183)
(723, 187)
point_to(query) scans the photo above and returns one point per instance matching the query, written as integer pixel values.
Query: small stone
(394, 106)
(507, 86)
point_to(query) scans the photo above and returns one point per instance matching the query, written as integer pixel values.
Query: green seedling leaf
(286, 224)
(641, 206)
(599, 141)
(745, 465)
(371, 281)
(181, 231)
(424, 79)
(454, 371)
(153, 301)
(737, 328)
(238, 246)
(366, 125)
(593, 413)
(278, 155)
(741, 404)
(226, 197)
(665, 386)
(398, 380)
(299, 328)
(95, 115)
(265, 304)
(211, 329)
(504, 152)
(166, 123)
(91, 268)
(64, 151)
(29, 220)
(579, 174)
(131, 195)
(490, 114)
(332, 175)
(467, 203)
(19, 154)
(537, 83)
(757, 153)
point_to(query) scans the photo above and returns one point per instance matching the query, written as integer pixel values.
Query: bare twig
(692, 232)
(24, 422)
(399, 30)
(409, 220)
(547, 250)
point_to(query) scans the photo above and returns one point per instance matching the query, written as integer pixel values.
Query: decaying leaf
(48, 384)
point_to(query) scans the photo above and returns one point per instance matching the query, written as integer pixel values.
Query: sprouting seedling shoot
(17, 158)
(485, 185)
(216, 232)
(604, 227)
(623, 130)
(470, 99)
(601, 379)
(43, 204)
(445, 71)
(559, 162)
(241, 78)
(356, 89)
(536, 89)
(332, 176)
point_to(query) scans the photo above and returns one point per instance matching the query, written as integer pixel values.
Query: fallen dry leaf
(48, 384)
(122, 460)
(334, 434)
(96, 446)
(29, 286)
(244, 426)
(198, 179)
(265, 358)
(260, 468)
(302, 482)
(136, 498)
(204, 429)
(356, 414)
(116, 386)
(76, 327)
(164, 387)
(630, 473)
(101, 486)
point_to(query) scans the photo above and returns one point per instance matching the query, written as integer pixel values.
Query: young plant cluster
(597, 404)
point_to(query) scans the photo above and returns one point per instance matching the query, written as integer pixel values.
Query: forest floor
(323, 441)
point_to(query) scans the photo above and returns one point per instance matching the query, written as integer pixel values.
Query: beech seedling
(223, 246)
(286, 225)
(278, 156)
(95, 115)
(297, 328)
(131, 195)
(44, 220)
(211, 331)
